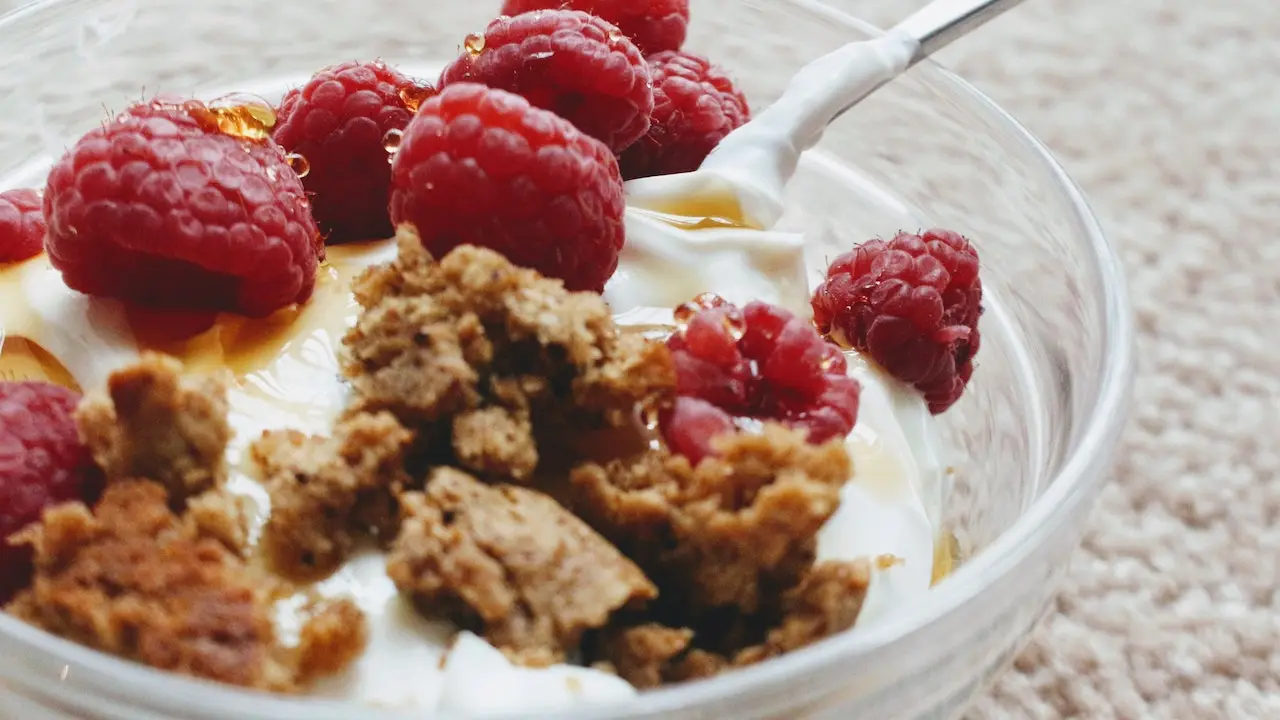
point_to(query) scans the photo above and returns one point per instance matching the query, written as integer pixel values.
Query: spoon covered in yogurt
(743, 179)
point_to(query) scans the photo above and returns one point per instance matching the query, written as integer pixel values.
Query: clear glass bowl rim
(1082, 471)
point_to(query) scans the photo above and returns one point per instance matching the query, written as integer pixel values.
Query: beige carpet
(1168, 114)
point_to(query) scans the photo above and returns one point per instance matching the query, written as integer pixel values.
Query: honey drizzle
(715, 212)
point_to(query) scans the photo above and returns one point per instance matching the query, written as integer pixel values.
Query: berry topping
(42, 463)
(483, 167)
(21, 225)
(912, 304)
(337, 121)
(574, 64)
(695, 105)
(653, 25)
(760, 362)
(164, 205)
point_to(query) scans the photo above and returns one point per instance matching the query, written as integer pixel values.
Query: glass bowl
(1034, 435)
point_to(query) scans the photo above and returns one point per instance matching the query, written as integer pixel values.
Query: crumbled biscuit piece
(642, 655)
(512, 563)
(496, 442)
(729, 532)
(155, 422)
(333, 637)
(825, 602)
(326, 492)
(221, 515)
(133, 579)
(439, 341)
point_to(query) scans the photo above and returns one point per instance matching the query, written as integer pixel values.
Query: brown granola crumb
(727, 533)
(155, 422)
(481, 345)
(496, 442)
(827, 601)
(641, 655)
(334, 636)
(326, 492)
(220, 515)
(512, 562)
(131, 578)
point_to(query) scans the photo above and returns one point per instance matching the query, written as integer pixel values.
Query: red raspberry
(759, 362)
(912, 304)
(653, 25)
(574, 64)
(337, 121)
(483, 167)
(695, 104)
(42, 463)
(160, 207)
(21, 225)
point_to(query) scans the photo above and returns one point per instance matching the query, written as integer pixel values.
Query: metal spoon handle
(937, 24)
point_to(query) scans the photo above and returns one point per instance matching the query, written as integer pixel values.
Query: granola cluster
(156, 571)
(495, 448)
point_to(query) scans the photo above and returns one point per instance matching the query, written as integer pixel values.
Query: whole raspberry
(571, 63)
(653, 25)
(695, 104)
(478, 166)
(21, 225)
(337, 122)
(760, 362)
(163, 207)
(912, 304)
(42, 463)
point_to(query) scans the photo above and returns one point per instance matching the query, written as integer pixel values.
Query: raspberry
(760, 362)
(912, 304)
(478, 166)
(160, 207)
(42, 463)
(653, 25)
(21, 225)
(571, 63)
(695, 104)
(337, 121)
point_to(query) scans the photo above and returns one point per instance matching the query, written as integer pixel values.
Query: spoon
(743, 179)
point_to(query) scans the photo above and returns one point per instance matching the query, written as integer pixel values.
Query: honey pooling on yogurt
(719, 211)
(24, 361)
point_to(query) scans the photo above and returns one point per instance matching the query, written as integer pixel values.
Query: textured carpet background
(1167, 113)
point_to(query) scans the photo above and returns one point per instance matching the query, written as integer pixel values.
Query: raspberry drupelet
(653, 25)
(21, 225)
(161, 206)
(571, 63)
(42, 463)
(338, 122)
(479, 166)
(911, 303)
(759, 362)
(695, 104)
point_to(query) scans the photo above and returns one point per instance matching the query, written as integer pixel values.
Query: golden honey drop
(243, 116)
(946, 556)
(414, 95)
(391, 141)
(474, 44)
(22, 360)
(300, 164)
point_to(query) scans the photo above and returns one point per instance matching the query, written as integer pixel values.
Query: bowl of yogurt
(970, 515)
